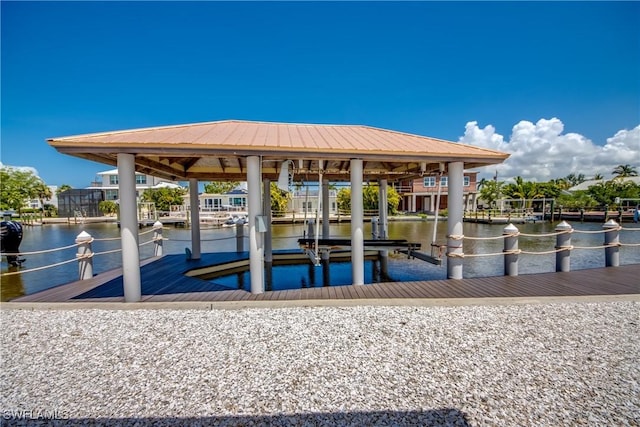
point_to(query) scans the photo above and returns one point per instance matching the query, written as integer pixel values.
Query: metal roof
(218, 150)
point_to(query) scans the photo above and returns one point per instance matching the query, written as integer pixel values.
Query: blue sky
(524, 77)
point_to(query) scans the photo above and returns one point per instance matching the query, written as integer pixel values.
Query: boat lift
(313, 247)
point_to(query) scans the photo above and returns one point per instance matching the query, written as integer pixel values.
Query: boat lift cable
(434, 245)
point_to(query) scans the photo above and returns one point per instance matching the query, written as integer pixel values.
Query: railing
(85, 254)
(563, 248)
(511, 235)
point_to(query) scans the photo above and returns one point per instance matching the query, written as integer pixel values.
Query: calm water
(285, 237)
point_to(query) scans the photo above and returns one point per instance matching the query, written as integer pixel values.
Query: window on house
(113, 179)
(141, 179)
(307, 206)
(111, 194)
(444, 181)
(429, 181)
(239, 201)
(467, 181)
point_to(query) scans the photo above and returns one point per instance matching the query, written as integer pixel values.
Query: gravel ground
(509, 365)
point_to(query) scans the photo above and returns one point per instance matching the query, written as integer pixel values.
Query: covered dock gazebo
(256, 152)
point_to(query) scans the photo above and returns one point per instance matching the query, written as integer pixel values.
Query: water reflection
(12, 286)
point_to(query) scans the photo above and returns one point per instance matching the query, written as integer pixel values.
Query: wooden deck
(163, 280)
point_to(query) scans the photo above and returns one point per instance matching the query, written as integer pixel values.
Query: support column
(268, 236)
(256, 270)
(357, 223)
(195, 218)
(268, 244)
(325, 209)
(383, 208)
(454, 221)
(129, 227)
(325, 215)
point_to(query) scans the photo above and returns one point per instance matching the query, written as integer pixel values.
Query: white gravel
(510, 365)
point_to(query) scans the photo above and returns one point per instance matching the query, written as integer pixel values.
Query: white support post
(454, 222)
(129, 228)
(195, 218)
(256, 255)
(268, 243)
(357, 223)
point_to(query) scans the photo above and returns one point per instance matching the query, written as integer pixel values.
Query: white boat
(236, 218)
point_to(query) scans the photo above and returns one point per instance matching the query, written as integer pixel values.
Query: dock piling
(157, 238)
(510, 250)
(563, 245)
(612, 243)
(85, 256)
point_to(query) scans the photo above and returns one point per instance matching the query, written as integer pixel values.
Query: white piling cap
(564, 225)
(610, 224)
(157, 224)
(510, 229)
(83, 237)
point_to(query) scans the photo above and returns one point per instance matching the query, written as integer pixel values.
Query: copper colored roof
(216, 150)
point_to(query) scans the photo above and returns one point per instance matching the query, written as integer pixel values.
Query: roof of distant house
(586, 184)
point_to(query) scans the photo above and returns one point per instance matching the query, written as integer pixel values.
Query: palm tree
(43, 192)
(526, 190)
(622, 171)
(573, 179)
(598, 177)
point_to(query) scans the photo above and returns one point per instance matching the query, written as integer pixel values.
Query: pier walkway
(163, 280)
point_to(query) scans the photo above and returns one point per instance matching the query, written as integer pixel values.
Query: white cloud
(540, 151)
(21, 168)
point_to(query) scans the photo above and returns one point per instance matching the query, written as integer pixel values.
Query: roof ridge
(185, 125)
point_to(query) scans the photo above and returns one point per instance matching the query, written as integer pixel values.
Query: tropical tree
(108, 207)
(18, 186)
(576, 200)
(525, 190)
(551, 189)
(491, 191)
(622, 171)
(163, 198)
(572, 180)
(63, 187)
(220, 187)
(279, 199)
(343, 198)
(370, 195)
(598, 177)
(605, 193)
(43, 192)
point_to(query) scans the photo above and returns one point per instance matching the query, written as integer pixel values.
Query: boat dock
(164, 280)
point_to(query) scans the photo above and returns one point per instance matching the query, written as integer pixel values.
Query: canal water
(38, 238)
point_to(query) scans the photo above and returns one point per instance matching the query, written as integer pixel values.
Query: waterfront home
(108, 182)
(420, 194)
